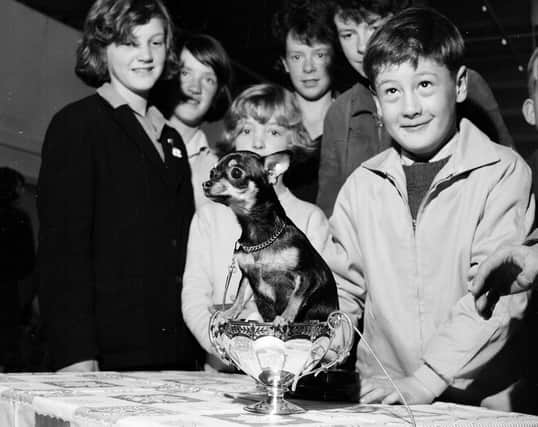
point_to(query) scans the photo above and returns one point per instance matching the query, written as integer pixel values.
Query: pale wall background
(37, 78)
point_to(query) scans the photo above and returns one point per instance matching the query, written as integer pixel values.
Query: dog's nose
(206, 185)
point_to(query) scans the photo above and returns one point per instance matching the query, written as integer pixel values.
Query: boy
(415, 221)
(305, 45)
(352, 132)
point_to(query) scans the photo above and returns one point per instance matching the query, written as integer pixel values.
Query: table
(175, 398)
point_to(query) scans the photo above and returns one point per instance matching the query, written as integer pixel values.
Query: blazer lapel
(179, 168)
(138, 136)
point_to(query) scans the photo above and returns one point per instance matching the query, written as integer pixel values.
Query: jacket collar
(472, 149)
(127, 119)
(362, 100)
(153, 115)
(197, 143)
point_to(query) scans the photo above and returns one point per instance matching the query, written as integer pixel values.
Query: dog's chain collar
(249, 249)
(262, 245)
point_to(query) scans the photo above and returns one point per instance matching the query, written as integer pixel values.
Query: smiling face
(199, 85)
(308, 67)
(354, 36)
(134, 67)
(261, 138)
(418, 105)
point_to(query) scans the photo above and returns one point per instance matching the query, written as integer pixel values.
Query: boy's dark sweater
(419, 177)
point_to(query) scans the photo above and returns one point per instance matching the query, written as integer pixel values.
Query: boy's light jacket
(413, 284)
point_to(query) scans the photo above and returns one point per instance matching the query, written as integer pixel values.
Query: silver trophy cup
(278, 356)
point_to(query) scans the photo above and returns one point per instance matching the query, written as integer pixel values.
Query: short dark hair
(112, 21)
(168, 93)
(414, 33)
(358, 10)
(307, 21)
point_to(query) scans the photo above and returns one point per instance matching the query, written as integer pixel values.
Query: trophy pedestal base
(275, 406)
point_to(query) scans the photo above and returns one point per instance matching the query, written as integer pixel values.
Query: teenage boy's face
(135, 67)
(308, 67)
(418, 105)
(354, 37)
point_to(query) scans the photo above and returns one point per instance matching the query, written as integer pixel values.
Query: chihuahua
(290, 281)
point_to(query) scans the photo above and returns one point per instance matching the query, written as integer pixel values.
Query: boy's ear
(528, 111)
(275, 165)
(461, 84)
(377, 105)
(284, 64)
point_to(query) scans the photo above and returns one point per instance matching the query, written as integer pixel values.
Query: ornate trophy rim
(310, 330)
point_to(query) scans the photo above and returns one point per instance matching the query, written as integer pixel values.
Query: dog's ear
(275, 165)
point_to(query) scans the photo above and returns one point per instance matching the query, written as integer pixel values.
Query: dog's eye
(236, 173)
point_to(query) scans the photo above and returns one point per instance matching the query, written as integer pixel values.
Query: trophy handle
(215, 331)
(338, 321)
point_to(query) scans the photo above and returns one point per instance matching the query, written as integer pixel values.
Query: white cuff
(431, 381)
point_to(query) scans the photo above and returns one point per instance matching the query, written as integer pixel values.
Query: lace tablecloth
(174, 398)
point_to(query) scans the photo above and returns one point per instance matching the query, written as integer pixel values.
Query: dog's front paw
(231, 312)
(281, 322)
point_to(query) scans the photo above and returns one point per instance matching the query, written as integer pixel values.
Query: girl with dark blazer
(115, 202)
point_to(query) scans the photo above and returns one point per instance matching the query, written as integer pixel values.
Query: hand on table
(381, 390)
(84, 366)
(509, 270)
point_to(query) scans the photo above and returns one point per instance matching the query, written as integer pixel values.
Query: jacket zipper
(414, 222)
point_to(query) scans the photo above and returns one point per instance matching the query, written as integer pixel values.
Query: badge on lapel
(176, 152)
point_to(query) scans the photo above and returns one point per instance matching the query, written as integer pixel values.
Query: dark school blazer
(113, 233)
